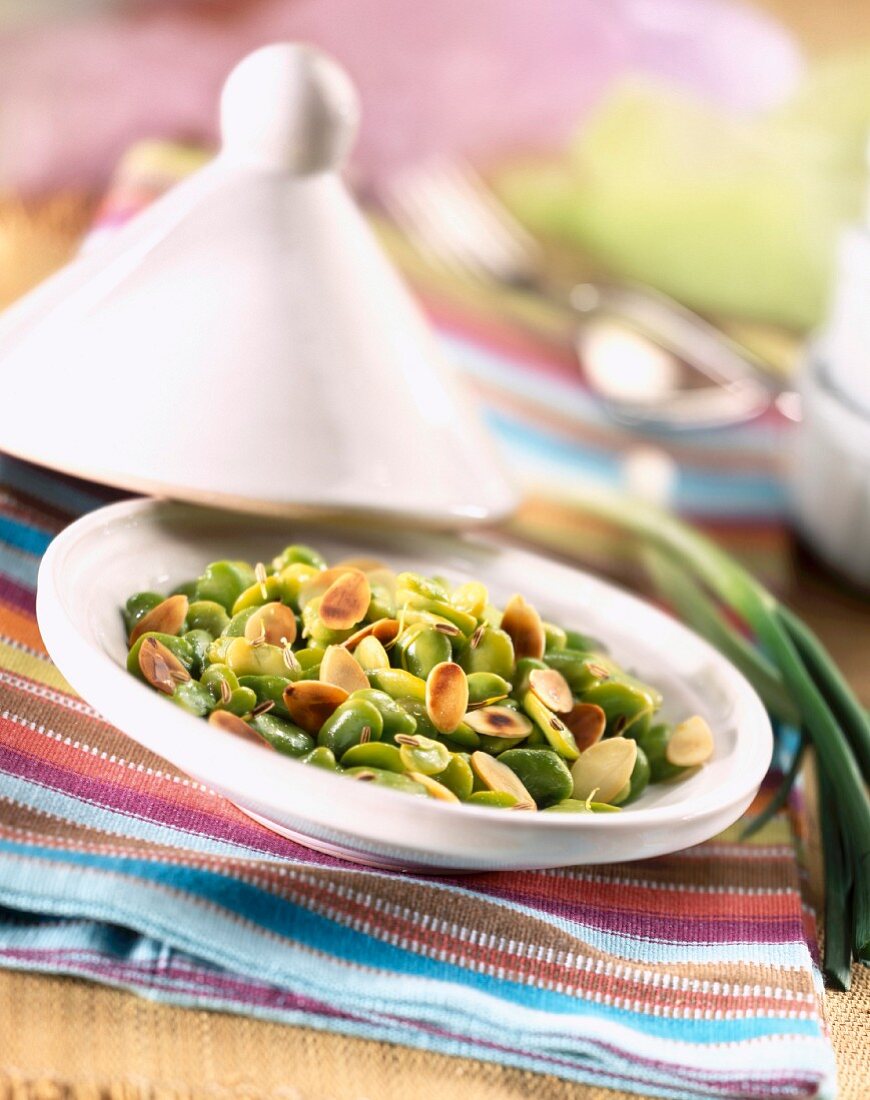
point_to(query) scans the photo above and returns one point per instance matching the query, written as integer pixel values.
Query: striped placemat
(689, 975)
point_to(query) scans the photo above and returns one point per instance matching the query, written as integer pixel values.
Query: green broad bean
(471, 597)
(458, 776)
(542, 772)
(344, 727)
(554, 636)
(494, 652)
(258, 593)
(207, 615)
(137, 607)
(291, 580)
(525, 667)
(216, 674)
(269, 689)
(241, 702)
(180, 647)
(551, 726)
(423, 754)
(246, 659)
(485, 688)
(654, 744)
(223, 582)
(382, 604)
(398, 683)
(497, 800)
(282, 735)
(415, 584)
(373, 754)
(217, 651)
(575, 806)
(425, 648)
(640, 777)
(627, 703)
(199, 642)
(581, 670)
(187, 588)
(298, 553)
(395, 717)
(193, 697)
(382, 778)
(235, 628)
(310, 657)
(321, 757)
(583, 642)
(441, 609)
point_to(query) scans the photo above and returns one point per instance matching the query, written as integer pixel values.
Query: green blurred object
(728, 215)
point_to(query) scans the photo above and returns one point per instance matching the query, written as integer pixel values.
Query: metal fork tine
(446, 210)
(433, 225)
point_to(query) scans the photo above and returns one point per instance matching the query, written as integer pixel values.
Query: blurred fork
(635, 344)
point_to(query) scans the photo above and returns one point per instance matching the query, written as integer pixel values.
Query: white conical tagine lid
(244, 342)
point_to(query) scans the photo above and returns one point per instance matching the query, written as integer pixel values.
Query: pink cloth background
(480, 77)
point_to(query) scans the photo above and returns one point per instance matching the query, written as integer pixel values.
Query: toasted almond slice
(604, 769)
(552, 689)
(446, 696)
(231, 723)
(310, 702)
(338, 667)
(166, 618)
(587, 721)
(496, 776)
(499, 722)
(346, 600)
(317, 584)
(160, 667)
(522, 622)
(385, 630)
(274, 623)
(433, 788)
(690, 743)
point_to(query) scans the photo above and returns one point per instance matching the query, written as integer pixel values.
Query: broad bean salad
(409, 682)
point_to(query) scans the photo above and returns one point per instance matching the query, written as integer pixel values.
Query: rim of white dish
(754, 737)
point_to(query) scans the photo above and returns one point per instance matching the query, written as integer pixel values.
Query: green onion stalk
(794, 676)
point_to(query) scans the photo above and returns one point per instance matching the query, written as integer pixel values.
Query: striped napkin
(689, 975)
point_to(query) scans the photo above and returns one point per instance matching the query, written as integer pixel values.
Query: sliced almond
(231, 723)
(274, 623)
(690, 743)
(160, 667)
(346, 600)
(166, 618)
(522, 622)
(499, 722)
(587, 721)
(604, 769)
(496, 776)
(310, 702)
(339, 668)
(318, 582)
(433, 788)
(385, 630)
(446, 696)
(552, 689)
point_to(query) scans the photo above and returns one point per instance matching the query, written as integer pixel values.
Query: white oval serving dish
(96, 563)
